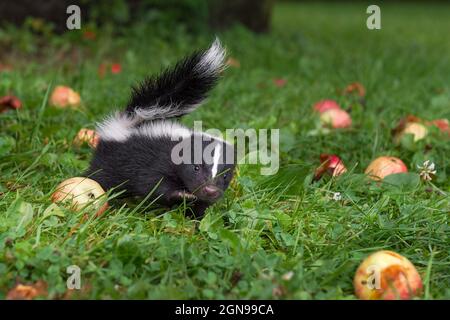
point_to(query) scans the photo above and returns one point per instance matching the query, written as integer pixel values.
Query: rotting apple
(88, 136)
(386, 275)
(355, 87)
(336, 119)
(78, 192)
(381, 167)
(27, 291)
(63, 96)
(325, 105)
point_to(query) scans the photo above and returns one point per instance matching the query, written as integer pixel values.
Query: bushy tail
(179, 90)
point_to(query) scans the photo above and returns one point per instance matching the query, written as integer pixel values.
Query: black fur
(141, 163)
(179, 88)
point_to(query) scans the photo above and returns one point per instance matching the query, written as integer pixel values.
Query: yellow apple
(78, 192)
(418, 130)
(381, 167)
(386, 275)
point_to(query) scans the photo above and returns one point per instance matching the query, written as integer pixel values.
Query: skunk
(139, 148)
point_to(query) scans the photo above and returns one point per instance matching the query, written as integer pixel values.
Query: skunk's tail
(179, 90)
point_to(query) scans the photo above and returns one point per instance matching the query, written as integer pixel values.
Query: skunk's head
(208, 167)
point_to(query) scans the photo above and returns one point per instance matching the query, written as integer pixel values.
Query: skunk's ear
(181, 89)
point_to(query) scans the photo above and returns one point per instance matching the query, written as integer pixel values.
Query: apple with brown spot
(336, 119)
(63, 97)
(386, 275)
(381, 167)
(78, 192)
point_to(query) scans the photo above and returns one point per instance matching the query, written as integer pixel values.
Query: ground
(280, 236)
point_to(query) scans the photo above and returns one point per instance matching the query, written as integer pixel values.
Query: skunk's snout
(210, 192)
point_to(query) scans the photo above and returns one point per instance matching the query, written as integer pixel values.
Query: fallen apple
(116, 68)
(279, 82)
(355, 87)
(386, 275)
(89, 35)
(63, 96)
(88, 136)
(442, 124)
(27, 291)
(381, 167)
(325, 105)
(79, 192)
(418, 130)
(330, 164)
(336, 118)
(9, 103)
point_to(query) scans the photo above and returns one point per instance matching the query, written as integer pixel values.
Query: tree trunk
(254, 14)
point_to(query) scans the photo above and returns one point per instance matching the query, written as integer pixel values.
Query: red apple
(63, 96)
(381, 167)
(78, 192)
(116, 68)
(336, 118)
(442, 124)
(325, 105)
(386, 275)
(86, 136)
(330, 164)
(9, 102)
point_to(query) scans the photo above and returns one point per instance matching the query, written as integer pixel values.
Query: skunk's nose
(211, 191)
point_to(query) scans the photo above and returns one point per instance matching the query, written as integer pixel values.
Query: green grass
(265, 227)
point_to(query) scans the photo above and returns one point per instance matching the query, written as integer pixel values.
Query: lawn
(280, 236)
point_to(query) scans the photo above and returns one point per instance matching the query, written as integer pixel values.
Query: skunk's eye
(196, 168)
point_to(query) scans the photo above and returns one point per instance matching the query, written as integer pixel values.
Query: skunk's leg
(199, 208)
(180, 195)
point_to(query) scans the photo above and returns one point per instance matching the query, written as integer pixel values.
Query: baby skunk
(135, 151)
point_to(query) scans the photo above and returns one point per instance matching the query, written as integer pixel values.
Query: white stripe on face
(217, 150)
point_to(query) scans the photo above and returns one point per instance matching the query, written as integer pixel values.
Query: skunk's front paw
(182, 195)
